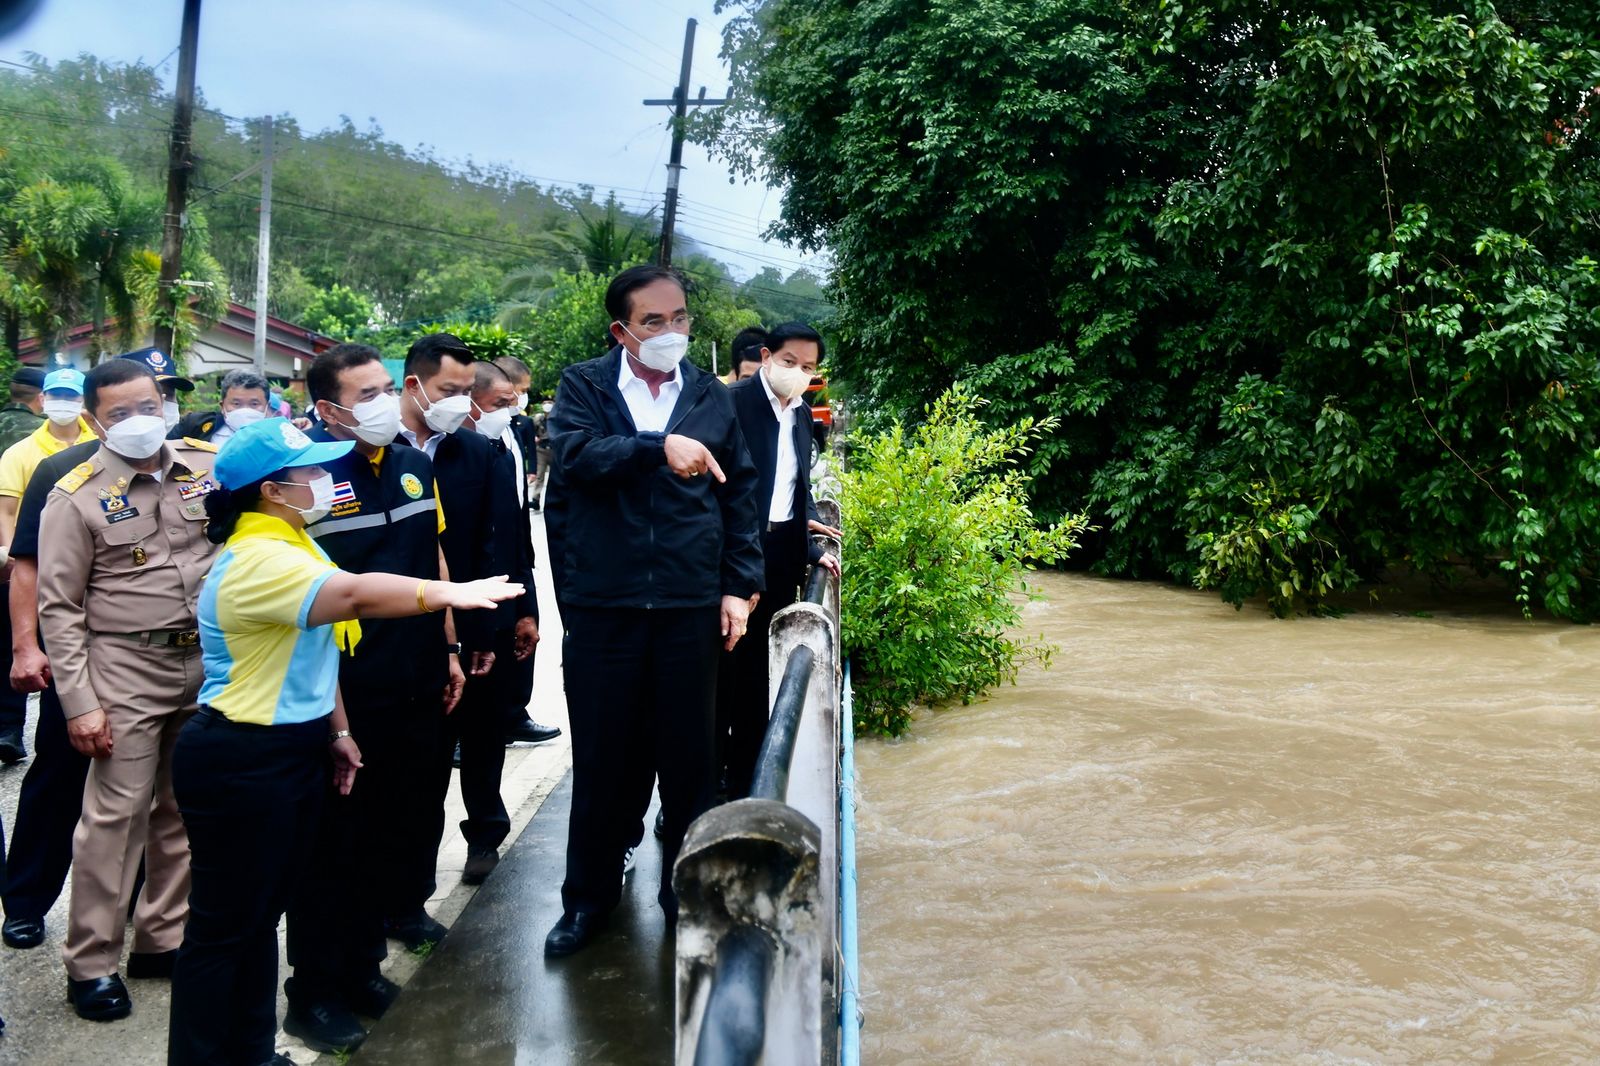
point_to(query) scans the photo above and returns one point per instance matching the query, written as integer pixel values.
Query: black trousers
(48, 809)
(743, 697)
(13, 704)
(251, 797)
(479, 724)
(641, 695)
(367, 864)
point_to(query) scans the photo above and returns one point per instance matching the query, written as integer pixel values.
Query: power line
(629, 29)
(163, 99)
(581, 40)
(605, 34)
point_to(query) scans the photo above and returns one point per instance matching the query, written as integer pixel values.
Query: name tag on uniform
(119, 515)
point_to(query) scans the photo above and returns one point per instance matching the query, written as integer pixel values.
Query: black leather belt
(160, 638)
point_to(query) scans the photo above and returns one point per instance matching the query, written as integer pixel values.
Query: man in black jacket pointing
(659, 556)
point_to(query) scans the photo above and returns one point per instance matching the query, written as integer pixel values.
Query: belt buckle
(187, 639)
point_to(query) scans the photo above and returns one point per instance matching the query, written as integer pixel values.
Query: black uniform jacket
(387, 521)
(760, 427)
(464, 469)
(631, 533)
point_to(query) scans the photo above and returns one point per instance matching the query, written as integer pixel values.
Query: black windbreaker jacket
(631, 533)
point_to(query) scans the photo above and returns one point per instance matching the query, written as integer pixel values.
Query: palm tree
(602, 245)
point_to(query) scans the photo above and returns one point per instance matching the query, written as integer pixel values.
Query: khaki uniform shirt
(121, 552)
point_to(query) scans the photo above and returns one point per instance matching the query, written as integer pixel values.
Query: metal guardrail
(759, 879)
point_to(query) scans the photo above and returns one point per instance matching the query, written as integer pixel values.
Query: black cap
(29, 375)
(161, 365)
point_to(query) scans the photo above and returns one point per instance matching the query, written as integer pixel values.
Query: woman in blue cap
(252, 766)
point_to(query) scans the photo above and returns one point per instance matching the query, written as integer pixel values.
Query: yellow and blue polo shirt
(263, 666)
(20, 460)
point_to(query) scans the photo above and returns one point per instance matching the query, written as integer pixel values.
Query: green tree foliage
(571, 325)
(940, 534)
(796, 298)
(1310, 288)
(338, 311)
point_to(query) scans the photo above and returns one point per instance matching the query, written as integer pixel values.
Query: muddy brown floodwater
(1204, 836)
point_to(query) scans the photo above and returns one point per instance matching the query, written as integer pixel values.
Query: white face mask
(522, 401)
(170, 413)
(787, 381)
(662, 352)
(548, 406)
(377, 420)
(321, 498)
(446, 415)
(138, 437)
(240, 417)
(62, 412)
(493, 423)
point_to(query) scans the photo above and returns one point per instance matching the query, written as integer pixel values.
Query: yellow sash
(254, 524)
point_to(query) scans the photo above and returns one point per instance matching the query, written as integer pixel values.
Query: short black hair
(245, 379)
(22, 392)
(747, 345)
(426, 353)
(619, 294)
(112, 372)
(795, 331)
(322, 378)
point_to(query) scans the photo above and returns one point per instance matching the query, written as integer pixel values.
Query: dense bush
(940, 535)
(1311, 288)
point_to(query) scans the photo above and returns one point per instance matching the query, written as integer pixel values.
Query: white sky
(550, 87)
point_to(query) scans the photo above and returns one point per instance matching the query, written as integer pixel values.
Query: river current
(1208, 836)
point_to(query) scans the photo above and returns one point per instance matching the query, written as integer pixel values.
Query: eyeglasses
(654, 324)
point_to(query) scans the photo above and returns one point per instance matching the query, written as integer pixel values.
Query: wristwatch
(339, 735)
(453, 649)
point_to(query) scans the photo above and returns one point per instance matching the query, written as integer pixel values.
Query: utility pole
(680, 112)
(264, 246)
(178, 164)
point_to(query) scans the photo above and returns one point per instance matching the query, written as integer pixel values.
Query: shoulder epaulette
(73, 479)
(203, 445)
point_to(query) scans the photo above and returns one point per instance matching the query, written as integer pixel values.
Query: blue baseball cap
(66, 378)
(268, 446)
(162, 365)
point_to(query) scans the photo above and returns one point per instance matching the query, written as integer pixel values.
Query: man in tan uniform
(122, 555)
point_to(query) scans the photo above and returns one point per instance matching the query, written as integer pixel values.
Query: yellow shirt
(23, 458)
(265, 663)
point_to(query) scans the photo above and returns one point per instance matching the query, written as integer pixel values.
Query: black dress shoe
(572, 933)
(373, 997)
(414, 931)
(22, 932)
(324, 1026)
(157, 964)
(480, 864)
(100, 999)
(11, 747)
(528, 731)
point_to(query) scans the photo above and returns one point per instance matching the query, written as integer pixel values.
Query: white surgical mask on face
(138, 437)
(62, 412)
(170, 413)
(663, 352)
(787, 381)
(240, 417)
(321, 498)
(446, 415)
(522, 401)
(548, 406)
(493, 423)
(377, 420)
